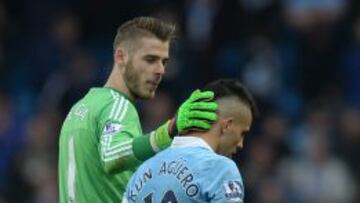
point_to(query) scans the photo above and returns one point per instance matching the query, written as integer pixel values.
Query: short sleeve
(118, 124)
(224, 184)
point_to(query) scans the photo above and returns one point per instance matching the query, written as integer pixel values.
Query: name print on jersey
(181, 172)
(140, 184)
(175, 168)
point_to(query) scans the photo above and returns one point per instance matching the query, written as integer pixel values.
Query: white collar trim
(190, 141)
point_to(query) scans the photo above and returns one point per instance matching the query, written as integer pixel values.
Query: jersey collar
(190, 141)
(115, 90)
(119, 92)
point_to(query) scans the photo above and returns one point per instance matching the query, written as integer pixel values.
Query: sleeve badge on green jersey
(233, 191)
(112, 128)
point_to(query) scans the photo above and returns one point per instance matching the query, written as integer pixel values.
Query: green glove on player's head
(198, 111)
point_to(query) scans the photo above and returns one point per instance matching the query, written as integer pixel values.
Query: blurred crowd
(300, 59)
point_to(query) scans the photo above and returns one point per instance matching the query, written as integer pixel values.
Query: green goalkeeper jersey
(97, 151)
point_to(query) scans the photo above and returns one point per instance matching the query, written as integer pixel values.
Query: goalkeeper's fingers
(205, 106)
(202, 115)
(198, 95)
(199, 124)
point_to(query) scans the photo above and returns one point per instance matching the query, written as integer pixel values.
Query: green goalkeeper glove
(198, 111)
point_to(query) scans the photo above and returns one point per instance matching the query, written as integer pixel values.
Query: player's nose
(160, 69)
(240, 144)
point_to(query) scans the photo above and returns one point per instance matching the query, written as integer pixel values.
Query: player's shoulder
(105, 98)
(212, 158)
(223, 162)
(102, 95)
(201, 159)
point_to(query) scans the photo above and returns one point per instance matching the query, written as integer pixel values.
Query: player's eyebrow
(153, 56)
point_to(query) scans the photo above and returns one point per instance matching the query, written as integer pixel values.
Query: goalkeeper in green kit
(101, 141)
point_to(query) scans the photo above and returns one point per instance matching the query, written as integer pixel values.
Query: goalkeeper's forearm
(128, 153)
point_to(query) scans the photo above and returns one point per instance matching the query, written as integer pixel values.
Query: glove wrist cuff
(162, 136)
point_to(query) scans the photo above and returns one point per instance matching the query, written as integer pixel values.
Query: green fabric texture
(142, 148)
(96, 157)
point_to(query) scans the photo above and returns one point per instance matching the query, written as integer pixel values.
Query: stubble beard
(133, 83)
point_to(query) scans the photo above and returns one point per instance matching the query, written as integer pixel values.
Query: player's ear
(120, 56)
(225, 124)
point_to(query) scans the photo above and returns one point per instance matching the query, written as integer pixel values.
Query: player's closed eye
(154, 59)
(151, 59)
(165, 62)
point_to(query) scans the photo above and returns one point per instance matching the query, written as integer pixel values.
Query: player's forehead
(152, 46)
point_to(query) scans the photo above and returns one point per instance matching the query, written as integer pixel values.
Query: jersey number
(169, 197)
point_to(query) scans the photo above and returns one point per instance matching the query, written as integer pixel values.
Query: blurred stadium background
(300, 58)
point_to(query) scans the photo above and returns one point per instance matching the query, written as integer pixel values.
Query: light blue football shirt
(188, 171)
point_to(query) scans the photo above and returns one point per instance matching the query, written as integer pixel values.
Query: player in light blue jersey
(197, 166)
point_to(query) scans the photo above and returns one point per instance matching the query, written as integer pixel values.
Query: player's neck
(208, 137)
(117, 82)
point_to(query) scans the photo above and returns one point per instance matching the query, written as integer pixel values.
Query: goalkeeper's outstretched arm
(123, 150)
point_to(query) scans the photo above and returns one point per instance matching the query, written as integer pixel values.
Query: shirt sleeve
(227, 185)
(122, 145)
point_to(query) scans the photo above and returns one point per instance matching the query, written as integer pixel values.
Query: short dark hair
(231, 87)
(144, 27)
